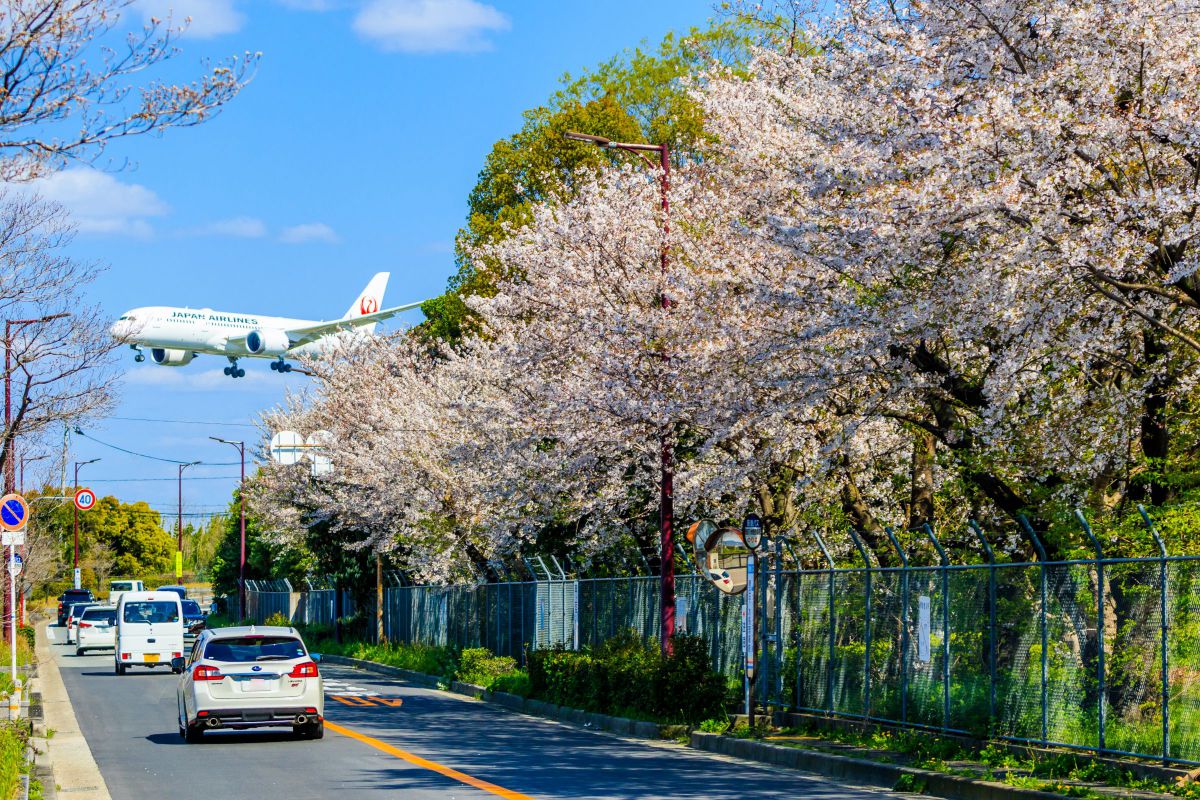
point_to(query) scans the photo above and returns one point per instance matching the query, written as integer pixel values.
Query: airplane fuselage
(211, 332)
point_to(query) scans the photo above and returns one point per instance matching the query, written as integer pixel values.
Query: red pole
(76, 507)
(8, 437)
(666, 513)
(242, 561)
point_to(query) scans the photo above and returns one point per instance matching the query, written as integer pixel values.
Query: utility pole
(241, 446)
(666, 508)
(79, 464)
(179, 522)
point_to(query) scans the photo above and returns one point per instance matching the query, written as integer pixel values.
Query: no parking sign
(85, 499)
(14, 512)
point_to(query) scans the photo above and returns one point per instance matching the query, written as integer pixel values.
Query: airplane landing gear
(233, 370)
(139, 357)
(281, 366)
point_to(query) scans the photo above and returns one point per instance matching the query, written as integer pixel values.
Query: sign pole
(12, 604)
(752, 531)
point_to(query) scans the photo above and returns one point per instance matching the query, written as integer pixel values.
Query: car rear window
(151, 611)
(191, 607)
(108, 615)
(75, 595)
(254, 648)
(121, 586)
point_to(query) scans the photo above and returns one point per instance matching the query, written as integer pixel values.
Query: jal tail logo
(369, 305)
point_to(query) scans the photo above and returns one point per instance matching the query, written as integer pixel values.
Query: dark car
(68, 599)
(179, 590)
(194, 619)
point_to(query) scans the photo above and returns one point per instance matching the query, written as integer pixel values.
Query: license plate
(151, 657)
(258, 685)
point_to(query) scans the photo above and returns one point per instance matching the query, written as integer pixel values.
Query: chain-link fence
(1097, 654)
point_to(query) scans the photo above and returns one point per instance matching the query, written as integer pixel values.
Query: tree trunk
(920, 508)
(1154, 436)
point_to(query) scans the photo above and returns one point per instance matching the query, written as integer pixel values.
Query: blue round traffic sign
(14, 512)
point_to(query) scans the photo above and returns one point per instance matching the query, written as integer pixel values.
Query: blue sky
(352, 151)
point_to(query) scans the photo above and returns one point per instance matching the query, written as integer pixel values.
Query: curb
(68, 756)
(862, 771)
(631, 728)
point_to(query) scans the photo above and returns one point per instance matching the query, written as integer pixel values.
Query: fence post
(832, 623)
(991, 559)
(779, 649)
(945, 624)
(1163, 621)
(1041, 552)
(903, 623)
(1100, 677)
(862, 551)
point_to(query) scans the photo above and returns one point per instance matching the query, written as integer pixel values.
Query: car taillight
(83, 624)
(307, 669)
(124, 656)
(203, 672)
(176, 655)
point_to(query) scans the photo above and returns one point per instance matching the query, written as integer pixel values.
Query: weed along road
(384, 738)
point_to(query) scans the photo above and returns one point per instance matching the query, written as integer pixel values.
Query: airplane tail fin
(369, 300)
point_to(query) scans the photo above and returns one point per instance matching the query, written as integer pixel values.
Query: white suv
(250, 677)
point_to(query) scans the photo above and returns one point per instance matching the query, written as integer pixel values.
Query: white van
(119, 587)
(149, 630)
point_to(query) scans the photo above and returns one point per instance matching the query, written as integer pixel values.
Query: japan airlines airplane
(174, 336)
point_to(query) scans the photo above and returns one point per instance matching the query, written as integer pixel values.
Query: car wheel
(78, 651)
(119, 669)
(315, 730)
(193, 734)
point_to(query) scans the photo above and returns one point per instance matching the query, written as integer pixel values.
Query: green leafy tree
(265, 559)
(640, 95)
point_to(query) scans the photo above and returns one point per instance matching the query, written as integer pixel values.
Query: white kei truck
(149, 630)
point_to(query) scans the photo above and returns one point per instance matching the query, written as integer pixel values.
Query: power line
(173, 480)
(79, 432)
(184, 421)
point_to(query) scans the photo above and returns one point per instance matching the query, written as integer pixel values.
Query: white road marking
(343, 689)
(50, 634)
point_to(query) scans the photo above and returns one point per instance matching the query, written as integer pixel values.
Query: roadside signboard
(78, 583)
(748, 631)
(16, 564)
(12, 538)
(14, 512)
(178, 564)
(85, 499)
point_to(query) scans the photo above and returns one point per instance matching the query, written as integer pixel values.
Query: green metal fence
(1099, 654)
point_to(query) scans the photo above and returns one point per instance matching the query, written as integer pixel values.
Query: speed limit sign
(85, 499)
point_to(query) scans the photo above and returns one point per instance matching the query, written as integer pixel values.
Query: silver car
(250, 677)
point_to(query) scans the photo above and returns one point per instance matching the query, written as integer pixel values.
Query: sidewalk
(75, 771)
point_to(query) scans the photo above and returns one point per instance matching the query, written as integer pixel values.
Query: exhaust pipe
(301, 719)
(213, 722)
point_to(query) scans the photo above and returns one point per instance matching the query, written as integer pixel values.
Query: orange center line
(425, 763)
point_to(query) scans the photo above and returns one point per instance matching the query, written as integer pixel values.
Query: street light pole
(9, 437)
(179, 510)
(241, 446)
(79, 464)
(666, 509)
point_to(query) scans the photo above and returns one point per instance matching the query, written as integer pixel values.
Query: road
(384, 737)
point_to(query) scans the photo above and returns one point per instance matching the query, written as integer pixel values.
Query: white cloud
(237, 227)
(99, 203)
(209, 18)
(308, 232)
(429, 26)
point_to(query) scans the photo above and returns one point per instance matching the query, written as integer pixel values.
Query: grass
(1060, 773)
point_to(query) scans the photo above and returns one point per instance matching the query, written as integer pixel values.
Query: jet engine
(171, 358)
(267, 343)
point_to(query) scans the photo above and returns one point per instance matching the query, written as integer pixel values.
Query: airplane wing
(299, 336)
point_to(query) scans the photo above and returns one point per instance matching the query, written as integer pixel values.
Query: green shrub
(29, 634)
(477, 665)
(628, 676)
(279, 620)
(715, 725)
(12, 756)
(516, 683)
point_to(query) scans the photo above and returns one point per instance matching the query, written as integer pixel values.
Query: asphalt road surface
(384, 738)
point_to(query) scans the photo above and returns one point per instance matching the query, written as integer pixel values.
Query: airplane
(174, 336)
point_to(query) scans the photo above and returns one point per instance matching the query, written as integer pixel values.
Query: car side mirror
(178, 663)
(316, 657)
